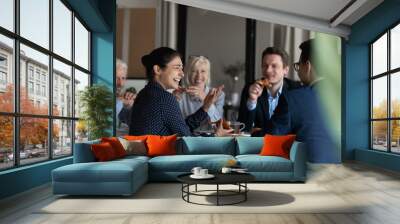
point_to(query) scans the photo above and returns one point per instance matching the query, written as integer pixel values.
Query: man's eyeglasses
(296, 66)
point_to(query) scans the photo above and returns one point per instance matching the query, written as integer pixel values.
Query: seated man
(264, 109)
(307, 119)
(124, 101)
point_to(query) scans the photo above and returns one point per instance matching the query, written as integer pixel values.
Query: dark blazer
(156, 111)
(259, 117)
(309, 124)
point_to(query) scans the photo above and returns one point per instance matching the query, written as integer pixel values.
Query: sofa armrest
(83, 152)
(298, 155)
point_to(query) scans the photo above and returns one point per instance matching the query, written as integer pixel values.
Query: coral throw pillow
(103, 152)
(161, 145)
(277, 145)
(116, 145)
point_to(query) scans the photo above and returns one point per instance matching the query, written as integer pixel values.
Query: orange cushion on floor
(161, 145)
(116, 145)
(103, 152)
(277, 145)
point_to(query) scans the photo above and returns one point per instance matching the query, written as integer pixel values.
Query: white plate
(240, 135)
(207, 132)
(208, 176)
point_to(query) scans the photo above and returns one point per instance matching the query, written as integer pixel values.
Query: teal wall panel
(24, 178)
(357, 84)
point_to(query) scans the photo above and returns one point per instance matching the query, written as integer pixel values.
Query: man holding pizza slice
(263, 106)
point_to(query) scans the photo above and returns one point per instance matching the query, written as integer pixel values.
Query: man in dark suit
(264, 108)
(307, 120)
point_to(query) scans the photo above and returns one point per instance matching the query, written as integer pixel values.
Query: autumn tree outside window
(385, 91)
(44, 64)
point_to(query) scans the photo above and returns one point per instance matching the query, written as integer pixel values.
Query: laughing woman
(197, 80)
(156, 110)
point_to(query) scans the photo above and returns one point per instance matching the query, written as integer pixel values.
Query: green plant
(96, 102)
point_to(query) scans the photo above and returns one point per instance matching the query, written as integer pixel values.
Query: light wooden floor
(378, 188)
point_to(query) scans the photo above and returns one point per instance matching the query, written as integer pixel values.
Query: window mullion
(73, 123)
(16, 84)
(50, 81)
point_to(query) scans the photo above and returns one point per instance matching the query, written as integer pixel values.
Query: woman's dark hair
(160, 56)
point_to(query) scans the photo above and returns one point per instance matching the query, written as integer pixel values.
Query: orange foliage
(33, 130)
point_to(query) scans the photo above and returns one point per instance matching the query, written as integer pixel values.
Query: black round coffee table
(238, 179)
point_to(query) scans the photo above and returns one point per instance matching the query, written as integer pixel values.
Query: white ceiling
(318, 9)
(315, 15)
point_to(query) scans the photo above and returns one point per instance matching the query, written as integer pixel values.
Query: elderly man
(124, 100)
(264, 108)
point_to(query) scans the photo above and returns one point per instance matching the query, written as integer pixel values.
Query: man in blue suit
(263, 105)
(306, 117)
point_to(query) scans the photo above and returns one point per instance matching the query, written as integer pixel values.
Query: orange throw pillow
(161, 145)
(134, 138)
(103, 151)
(277, 145)
(116, 145)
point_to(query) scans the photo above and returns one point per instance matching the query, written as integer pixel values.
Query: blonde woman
(197, 81)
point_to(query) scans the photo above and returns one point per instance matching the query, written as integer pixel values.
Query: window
(30, 72)
(3, 61)
(385, 94)
(38, 89)
(3, 78)
(30, 87)
(46, 129)
(44, 91)
(3, 71)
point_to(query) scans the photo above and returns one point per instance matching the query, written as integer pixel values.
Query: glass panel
(7, 14)
(6, 142)
(62, 29)
(81, 81)
(35, 21)
(395, 136)
(34, 81)
(81, 131)
(62, 89)
(81, 45)
(395, 47)
(379, 98)
(62, 141)
(379, 55)
(395, 95)
(33, 139)
(379, 135)
(6, 74)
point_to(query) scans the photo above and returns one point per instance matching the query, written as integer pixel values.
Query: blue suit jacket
(308, 123)
(259, 117)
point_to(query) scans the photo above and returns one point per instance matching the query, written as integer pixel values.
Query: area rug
(167, 198)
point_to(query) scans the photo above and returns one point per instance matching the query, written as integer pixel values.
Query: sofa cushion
(161, 145)
(83, 153)
(277, 145)
(103, 152)
(116, 145)
(249, 145)
(134, 147)
(206, 145)
(116, 171)
(185, 163)
(257, 163)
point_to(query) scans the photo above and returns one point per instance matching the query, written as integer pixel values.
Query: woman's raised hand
(212, 97)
